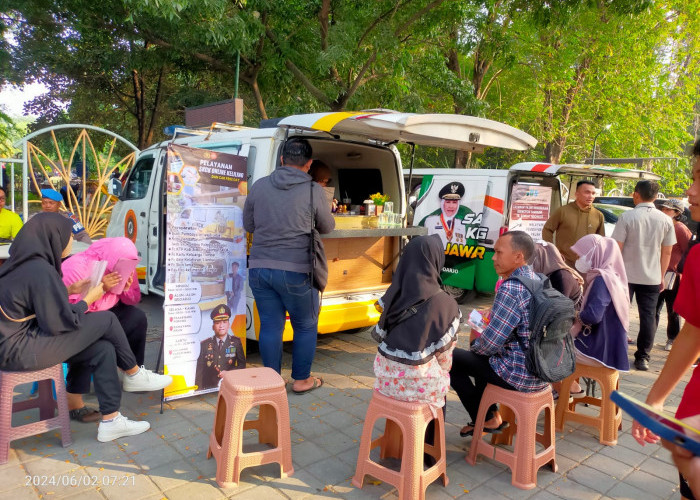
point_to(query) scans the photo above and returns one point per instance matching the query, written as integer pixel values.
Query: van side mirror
(115, 187)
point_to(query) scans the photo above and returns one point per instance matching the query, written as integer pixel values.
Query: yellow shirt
(10, 224)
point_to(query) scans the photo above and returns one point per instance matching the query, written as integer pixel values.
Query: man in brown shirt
(574, 221)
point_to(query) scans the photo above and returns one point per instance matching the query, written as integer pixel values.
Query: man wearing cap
(10, 222)
(674, 209)
(447, 221)
(219, 353)
(573, 221)
(51, 202)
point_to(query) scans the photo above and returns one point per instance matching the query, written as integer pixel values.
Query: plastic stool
(403, 438)
(44, 401)
(609, 420)
(35, 385)
(524, 461)
(240, 391)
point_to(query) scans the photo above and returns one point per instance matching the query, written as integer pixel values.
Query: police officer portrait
(218, 353)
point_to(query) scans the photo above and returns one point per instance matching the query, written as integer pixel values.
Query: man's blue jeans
(277, 292)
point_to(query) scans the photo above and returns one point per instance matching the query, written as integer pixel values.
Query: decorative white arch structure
(91, 212)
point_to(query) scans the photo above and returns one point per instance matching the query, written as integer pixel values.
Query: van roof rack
(207, 130)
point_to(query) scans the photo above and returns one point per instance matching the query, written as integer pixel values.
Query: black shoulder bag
(319, 264)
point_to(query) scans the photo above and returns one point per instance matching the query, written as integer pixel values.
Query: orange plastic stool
(609, 420)
(524, 461)
(44, 401)
(240, 391)
(403, 438)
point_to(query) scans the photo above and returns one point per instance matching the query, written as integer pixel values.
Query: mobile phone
(669, 428)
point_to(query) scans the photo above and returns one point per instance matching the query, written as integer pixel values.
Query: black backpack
(551, 356)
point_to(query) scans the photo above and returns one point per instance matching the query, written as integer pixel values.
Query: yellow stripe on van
(333, 318)
(141, 272)
(329, 121)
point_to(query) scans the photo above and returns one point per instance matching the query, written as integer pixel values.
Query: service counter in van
(362, 258)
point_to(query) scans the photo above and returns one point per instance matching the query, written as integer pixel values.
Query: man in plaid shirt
(497, 356)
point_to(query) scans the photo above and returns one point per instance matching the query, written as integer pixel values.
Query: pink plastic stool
(44, 401)
(240, 391)
(609, 419)
(403, 438)
(524, 462)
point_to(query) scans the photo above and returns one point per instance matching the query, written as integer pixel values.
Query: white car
(610, 214)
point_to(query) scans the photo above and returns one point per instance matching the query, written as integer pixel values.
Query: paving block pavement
(169, 461)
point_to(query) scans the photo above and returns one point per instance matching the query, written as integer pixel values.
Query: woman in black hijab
(417, 329)
(40, 328)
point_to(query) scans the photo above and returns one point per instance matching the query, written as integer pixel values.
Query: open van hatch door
(583, 170)
(467, 133)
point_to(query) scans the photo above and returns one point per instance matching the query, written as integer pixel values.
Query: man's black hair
(647, 190)
(583, 182)
(296, 152)
(520, 241)
(696, 149)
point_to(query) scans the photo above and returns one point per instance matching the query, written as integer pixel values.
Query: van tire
(461, 295)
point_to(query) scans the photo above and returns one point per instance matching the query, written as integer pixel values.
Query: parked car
(610, 213)
(626, 201)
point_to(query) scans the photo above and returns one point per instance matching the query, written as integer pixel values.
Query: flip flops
(488, 430)
(318, 382)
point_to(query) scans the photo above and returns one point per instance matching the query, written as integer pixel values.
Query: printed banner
(454, 210)
(529, 209)
(205, 269)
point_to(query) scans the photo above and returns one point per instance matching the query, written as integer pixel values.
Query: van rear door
(467, 133)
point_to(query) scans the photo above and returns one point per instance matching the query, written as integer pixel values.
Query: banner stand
(160, 357)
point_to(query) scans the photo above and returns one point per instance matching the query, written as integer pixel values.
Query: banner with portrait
(455, 210)
(205, 268)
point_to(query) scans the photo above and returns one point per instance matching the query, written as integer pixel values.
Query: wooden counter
(363, 259)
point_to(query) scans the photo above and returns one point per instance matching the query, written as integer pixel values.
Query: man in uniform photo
(218, 353)
(447, 221)
(234, 287)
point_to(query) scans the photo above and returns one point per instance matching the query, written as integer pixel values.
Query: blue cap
(51, 194)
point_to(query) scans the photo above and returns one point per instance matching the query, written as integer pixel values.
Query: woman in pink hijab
(76, 274)
(603, 321)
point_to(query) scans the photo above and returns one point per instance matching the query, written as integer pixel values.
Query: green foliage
(558, 70)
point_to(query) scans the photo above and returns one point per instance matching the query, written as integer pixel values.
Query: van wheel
(461, 295)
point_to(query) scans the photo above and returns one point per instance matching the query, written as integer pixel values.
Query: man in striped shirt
(497, 356)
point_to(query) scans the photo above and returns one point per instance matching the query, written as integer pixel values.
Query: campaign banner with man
(455, 211)
(205, 269)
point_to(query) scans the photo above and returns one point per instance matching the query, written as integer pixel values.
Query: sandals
(580, 394)
(85, 415)
(488, 430)
(318, 382)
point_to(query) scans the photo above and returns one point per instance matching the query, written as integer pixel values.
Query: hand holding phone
(660, 423)
(687, 463)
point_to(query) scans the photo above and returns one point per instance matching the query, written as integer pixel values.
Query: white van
(359, 149)
(491, 202)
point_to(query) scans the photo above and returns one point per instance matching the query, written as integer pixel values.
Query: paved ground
(170, 461)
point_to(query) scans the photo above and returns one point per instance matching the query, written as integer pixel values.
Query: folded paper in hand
(98, 271)
(476, 321)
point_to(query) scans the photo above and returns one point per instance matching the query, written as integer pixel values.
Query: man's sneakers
(641, 364)
(668, 345)
(120, 427)
(145, 380)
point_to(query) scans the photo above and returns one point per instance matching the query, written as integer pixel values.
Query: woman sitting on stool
(76, 276)
(39, 328)
(600, 332)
